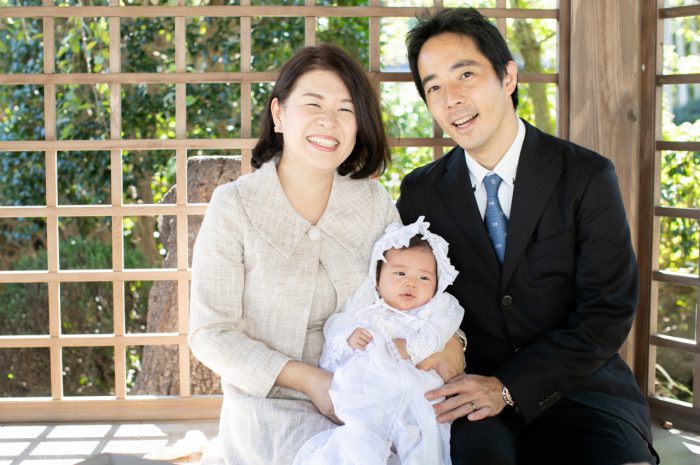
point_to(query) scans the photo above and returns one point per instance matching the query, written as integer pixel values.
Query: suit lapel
(455, 190)
(534, 181)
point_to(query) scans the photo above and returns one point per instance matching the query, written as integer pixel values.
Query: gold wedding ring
(473, 404)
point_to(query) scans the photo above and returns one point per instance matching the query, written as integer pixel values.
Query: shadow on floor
(69, 444)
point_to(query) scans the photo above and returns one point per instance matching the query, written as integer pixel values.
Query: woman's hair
(371, 155)
(416, 242)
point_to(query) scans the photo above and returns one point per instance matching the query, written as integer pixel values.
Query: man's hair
(416, 242)
(464, 22)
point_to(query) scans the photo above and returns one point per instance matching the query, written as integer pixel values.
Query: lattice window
(106, 95)
(672, 169)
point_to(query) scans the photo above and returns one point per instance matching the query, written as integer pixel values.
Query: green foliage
(213, 111)
(86, 308)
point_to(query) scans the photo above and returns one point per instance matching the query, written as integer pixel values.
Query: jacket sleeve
(336, 349)
(218, 276)
(605, 287)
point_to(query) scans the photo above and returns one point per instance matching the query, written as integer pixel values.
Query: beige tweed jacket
(254, 275)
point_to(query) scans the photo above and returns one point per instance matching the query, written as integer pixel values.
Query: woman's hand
(318, 386)
(312, 381)
(448, 363)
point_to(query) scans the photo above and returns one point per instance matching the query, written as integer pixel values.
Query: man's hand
(476, 397)
(448, 363)
(359, 339)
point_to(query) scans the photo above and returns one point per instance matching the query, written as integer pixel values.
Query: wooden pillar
(605, 78)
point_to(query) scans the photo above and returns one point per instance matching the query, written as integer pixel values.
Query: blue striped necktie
(495, 219)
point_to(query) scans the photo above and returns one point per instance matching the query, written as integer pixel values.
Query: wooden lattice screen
(655, 145)
(122, 406)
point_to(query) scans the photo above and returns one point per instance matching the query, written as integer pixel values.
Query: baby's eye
(400, 273)
(313, 105)
(425, 278)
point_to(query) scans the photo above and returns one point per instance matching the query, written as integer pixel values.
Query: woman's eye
(349, 110)
(314, 105)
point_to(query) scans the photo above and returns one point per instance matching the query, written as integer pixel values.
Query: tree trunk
(159, 364)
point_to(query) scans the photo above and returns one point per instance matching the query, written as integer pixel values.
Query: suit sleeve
(605, 296)
(431, 336)
(216, 304)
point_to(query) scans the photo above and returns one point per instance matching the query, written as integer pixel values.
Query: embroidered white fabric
(378, 395)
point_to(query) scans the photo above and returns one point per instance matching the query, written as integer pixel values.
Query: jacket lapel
(347, 218)
(534, 181)
(456, 193)
(269, 210)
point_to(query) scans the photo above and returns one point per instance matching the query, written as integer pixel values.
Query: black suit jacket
(550, 321)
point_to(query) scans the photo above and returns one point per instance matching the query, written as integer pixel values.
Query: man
(548, 277)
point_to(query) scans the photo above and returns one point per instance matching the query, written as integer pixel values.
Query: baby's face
(408, 279)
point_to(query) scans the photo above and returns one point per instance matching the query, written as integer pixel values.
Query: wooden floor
(180, 442)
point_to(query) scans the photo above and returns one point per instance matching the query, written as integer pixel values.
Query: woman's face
(317, 122)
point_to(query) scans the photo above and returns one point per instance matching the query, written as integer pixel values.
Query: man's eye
(467, 74)
(432, 89)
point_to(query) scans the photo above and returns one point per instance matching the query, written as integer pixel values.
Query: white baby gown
(378, 395)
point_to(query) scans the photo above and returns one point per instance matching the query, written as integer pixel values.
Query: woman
(282, 249)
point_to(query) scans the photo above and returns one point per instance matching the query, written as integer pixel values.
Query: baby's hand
(401, 346)
(359, 339)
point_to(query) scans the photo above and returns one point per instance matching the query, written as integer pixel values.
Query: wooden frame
(650, 214)
(185, 406)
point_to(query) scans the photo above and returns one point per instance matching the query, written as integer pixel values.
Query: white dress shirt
(505, 169)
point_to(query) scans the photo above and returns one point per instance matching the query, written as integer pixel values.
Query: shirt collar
(506, 167)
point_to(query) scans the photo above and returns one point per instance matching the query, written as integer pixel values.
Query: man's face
(466, 97)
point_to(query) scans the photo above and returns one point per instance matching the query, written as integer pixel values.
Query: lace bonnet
(397, 236)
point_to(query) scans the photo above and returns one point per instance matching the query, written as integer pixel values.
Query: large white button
(314, 234)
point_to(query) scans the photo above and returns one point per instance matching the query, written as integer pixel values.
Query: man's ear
(510, 80)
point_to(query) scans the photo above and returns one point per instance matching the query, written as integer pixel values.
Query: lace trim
(397, 236)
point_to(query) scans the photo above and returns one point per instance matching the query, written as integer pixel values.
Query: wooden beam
(207, 78)
(137, 408)
(92, 276)
(253, 11)
(101, 210)
(605, 80)
(93, 340)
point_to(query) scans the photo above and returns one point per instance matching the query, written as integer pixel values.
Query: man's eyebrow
(455, 65)
(320, 97)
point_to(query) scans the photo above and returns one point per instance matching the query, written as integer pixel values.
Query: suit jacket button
(506, 300)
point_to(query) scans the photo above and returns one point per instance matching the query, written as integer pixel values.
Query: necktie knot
(492, 182)
(495, 219)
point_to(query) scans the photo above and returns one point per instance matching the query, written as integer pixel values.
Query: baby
(400, 315)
